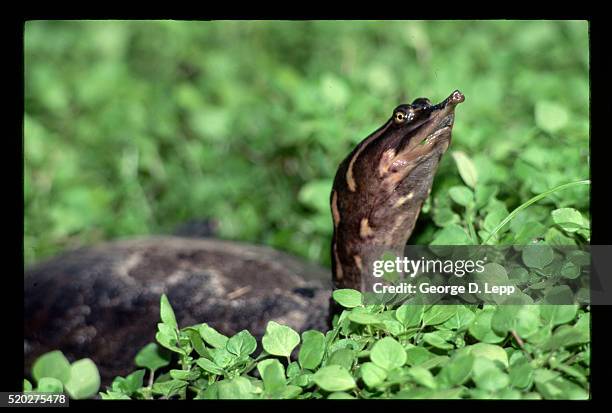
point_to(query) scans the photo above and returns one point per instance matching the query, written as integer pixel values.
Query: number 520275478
(32, 399)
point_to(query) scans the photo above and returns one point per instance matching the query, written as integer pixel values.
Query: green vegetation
(373, 351)
(53, 373)
(136, 127)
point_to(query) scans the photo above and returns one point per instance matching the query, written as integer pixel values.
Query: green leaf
(493, 219)
(167, 313)
(466, 168)
(483, 194)
(566, 336)
(550, 116)
(27, 386)
(489, 351)
(186, 375)
(493, 274)
(409, 315)
(519, 275)
(393, 327)
(241, 344)
(210, 393)
(521, 373)
(537, 255)
(52, 364)
(169, 388)
(347, 297)
(434, 339)
(558, 314)
(569, 219)
(167, 336)
(523, 319)
(452, 235)
(560, 295)
(531, 231)
(434, 362)
(461, 320)
(422, 376)
(293, 368)
(222, 357)
(342, 357)
(372, 374)
(570, 271)
(84, 379)
(273, 375)
(303, 380)
(212, 336)
(288, 392)
(114, 395)
(576, 372)
(334, 378)
(555, 237)
(444, 216)
(482, 330)
(418, 355)
(553, 386)
(280, 340)
(196, 340)
(488, 376)
(461, 195)
(345, 343)
(580, 258)
(49, 385)
(312, 349)
(209, 366)
(438, 314)
(364, 318)
(152, 357)
(388, 353)
(458, 370)
(130, 383)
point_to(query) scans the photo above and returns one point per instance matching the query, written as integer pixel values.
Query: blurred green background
(136, 127)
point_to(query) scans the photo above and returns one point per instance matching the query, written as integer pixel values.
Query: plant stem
(151, 376)
(254, 362)
(531, 201)
(521, 344)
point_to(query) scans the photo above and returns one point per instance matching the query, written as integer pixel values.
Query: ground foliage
(373, 351)
(136, 127)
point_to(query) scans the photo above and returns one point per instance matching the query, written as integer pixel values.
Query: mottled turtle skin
(103, 302)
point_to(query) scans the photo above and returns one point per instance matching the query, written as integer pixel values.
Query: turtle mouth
(438, 125)
(441, 132)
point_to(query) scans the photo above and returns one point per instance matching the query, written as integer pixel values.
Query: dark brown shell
(103, 302)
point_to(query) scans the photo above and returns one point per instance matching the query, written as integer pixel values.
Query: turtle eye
(401, 117)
